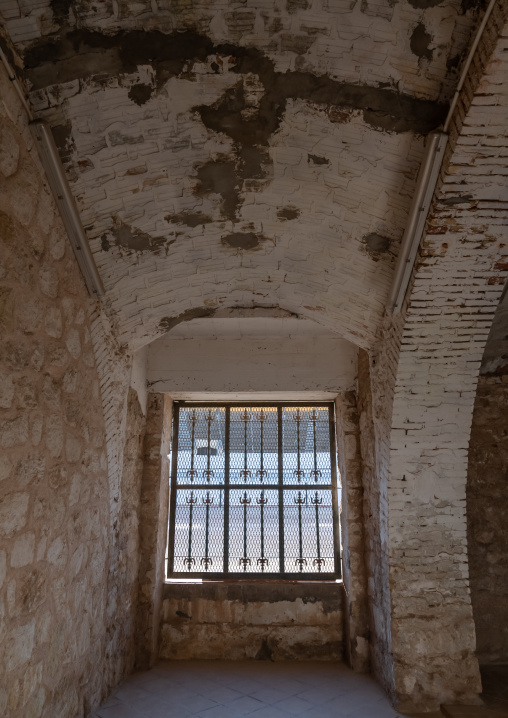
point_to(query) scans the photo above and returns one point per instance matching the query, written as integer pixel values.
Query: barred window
(253, 492)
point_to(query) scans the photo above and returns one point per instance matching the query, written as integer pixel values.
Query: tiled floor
(215, 689)
(218, 689)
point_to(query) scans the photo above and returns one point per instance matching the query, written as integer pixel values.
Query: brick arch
(426, 373)
(146, 326)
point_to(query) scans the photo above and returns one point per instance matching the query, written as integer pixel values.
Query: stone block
(23, 550)
(13, 509)
(9, 151)
(19, 645)
(53, 322)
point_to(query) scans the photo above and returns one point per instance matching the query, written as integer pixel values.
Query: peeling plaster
(132, 239)
(167, 323)
(420, 42)
(315, 159)
(82, 54)
(288, 213)
(244, 240)
(377, 244)
(140, 93)
(189, 219)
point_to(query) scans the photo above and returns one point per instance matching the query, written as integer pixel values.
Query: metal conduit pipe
(12, 77)
(50, 159)
(426, 184)
(64, 199)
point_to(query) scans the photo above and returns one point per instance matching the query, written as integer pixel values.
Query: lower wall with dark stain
(487, 508)
(253, 620)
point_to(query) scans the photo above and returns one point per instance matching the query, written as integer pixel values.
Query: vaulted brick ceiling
(255, 153)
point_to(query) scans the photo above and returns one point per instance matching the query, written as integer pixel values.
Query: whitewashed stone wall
(376, 379)
(63, 552)
(352, 523)
(287, 358)
(457, 285)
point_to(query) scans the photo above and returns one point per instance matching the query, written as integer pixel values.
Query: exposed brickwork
(456, 289)
(185, 206)
(317, 266)
(357, 42)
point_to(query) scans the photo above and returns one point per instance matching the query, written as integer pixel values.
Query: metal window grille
(253, 492)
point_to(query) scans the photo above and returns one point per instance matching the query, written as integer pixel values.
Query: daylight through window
(254, 492)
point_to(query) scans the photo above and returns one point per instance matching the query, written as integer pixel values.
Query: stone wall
(253, 620)
(65, 569)
(153, 528)
(125, 546)
(375, 399)
(352, 525)
(487, 508)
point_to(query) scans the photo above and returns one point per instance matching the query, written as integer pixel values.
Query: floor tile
(112, 701)
(167, 710)
(149, 703)
(271, 695)
(223, 694)
(324, 711)
(245, 705)
(256, 689)
(294, 705)
(120, 710)
(291, 687)
(217, 712)
(197, 703)
(130, 694)
(245, 686)
(317, 695)
(269, 712)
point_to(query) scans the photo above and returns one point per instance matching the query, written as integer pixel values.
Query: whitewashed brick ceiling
(256, 153)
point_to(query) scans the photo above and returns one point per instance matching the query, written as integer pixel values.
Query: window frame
(280, 487)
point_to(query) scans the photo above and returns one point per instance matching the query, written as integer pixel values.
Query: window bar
(207, 561)
(226, 490)
(173, 491)
(314, 418)
(245, 473)
(245, 500)
(317, 561)
(261, 472)
(335, 504)
(298, 472)
(280, 467)
(208, 473)
(189, 561)
(192, 473)
(300, 562)
(263, 562)
(254, 493)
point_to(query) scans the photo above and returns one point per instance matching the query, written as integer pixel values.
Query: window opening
(253, 492)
